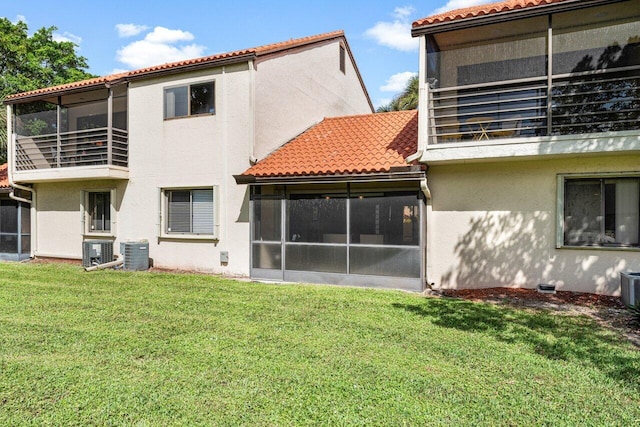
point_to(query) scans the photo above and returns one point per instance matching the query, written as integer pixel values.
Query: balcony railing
(72, 149)
(577, 103)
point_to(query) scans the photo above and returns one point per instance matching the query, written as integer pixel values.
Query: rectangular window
(189, 100)
(189, 211)
(602, 212)
(99, 211)
(343, 54)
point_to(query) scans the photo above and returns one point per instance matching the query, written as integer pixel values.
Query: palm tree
(405, 100)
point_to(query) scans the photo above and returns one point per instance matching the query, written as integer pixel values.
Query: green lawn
(148, 349)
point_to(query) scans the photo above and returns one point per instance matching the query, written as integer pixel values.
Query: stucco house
(339, 204)
(150, 154)
(529, 129)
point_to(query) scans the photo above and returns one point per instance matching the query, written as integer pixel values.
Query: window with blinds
(190, 211)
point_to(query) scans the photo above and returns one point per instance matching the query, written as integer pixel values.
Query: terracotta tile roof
(370, 143)
(98, 81)
(4, 177)
(482, 10)
(207, 60)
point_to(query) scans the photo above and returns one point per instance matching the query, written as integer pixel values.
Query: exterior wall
(297, 89)
(263, 107)
(58, 216)
(494, 224)
(190, 152)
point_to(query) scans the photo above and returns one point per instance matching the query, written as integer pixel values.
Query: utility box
(136, 255)
(630, 288)
(96, 252)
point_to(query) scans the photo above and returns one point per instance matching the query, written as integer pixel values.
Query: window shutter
(202, 211)
(179, 208)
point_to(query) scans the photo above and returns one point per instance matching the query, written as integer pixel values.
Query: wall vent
(95, 252)
(544, 288)
(136, 255)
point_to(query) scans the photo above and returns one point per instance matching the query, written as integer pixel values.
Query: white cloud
(165, 35)
(20, 18)
(395, 34)
(158, 47)
(130, 30)
(397, 82)
(459, 4)
(67, 37)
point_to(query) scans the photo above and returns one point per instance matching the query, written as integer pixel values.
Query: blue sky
(118, 35)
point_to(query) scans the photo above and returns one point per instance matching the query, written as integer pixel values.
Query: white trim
(533, 147)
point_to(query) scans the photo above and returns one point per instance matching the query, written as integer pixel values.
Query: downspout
(115, 263)
(425, 188)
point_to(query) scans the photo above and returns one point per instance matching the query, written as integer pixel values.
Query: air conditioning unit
(95, 252)
(630, 288)
(136, 255)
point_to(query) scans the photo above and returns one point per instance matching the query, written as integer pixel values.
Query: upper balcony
(71, 137)
(556, 84)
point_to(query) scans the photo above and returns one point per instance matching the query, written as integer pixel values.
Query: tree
(405, 100)
(29, 62)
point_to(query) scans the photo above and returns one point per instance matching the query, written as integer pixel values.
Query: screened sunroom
(340, 204)
(352, 233)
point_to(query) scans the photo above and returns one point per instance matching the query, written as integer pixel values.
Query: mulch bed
(532, 295)
(608, 311)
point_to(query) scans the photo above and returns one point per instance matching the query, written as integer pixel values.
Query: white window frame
(164, 214)
(560, 186)
(85, 217)
(188, 87)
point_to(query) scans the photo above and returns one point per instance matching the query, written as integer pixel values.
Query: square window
(189, 211)
(99, 210)
(601, 212)
(189, 100)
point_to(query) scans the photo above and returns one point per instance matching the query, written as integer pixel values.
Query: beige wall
(58, 217)
(190, 152)
(297, 89)
(494, 224)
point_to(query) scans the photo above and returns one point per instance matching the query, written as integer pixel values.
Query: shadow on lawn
(554, 337)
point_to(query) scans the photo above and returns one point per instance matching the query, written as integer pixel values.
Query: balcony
(574, 104)
(81, 136)
(558, 84)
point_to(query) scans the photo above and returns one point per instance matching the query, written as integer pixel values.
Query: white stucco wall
(494, 224)
(190, 152)
(298, 88)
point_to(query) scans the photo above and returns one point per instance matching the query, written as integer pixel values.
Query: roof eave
(193, 67)
(28, 97)
(411, 174)
(493, 18)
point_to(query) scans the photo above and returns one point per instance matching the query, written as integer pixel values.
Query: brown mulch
(532, 295)
(608, 311)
